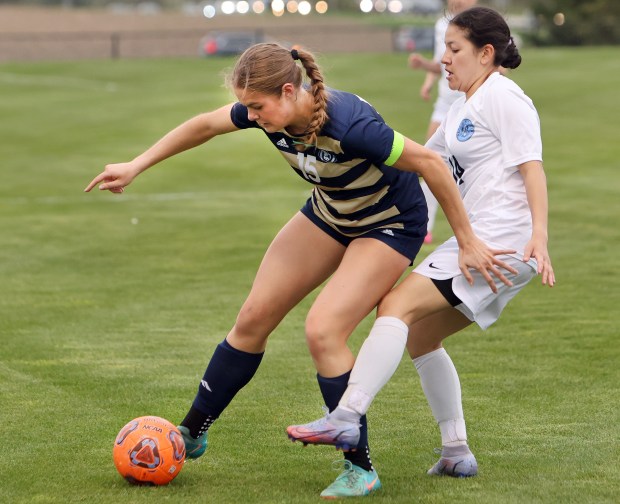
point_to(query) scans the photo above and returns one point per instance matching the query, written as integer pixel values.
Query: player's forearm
(445, 190)
(184, 137)
(190, 134)
(433, 67)
(432, 168)
(536, 191)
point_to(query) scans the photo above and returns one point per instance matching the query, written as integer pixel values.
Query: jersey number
(457, 170)
(307, 167)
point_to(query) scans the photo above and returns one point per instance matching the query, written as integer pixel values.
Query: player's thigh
(415, 298)
(368, 270)
(427, 334)
(299, 259)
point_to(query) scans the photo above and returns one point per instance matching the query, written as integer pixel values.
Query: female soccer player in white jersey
(491, 142)
(362, 226)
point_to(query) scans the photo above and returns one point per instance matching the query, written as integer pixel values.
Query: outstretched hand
(477, 255)
(114, 178)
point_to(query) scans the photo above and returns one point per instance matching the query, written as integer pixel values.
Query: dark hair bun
(512, 58)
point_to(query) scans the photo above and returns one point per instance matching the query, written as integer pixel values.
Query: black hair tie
(295, 54)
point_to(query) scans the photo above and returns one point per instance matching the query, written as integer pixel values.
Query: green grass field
(111, 306)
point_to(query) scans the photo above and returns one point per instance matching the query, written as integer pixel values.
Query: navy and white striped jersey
(355, 188)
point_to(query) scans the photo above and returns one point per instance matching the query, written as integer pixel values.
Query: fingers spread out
(467, 275)
(491, 268)
(501, 276)
(489, 280)
(505, 266)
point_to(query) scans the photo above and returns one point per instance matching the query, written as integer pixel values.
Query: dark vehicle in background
(414, 38)
(228, 43)
(424, 7)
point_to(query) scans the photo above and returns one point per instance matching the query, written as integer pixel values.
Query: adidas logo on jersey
(388, 232)
(282, 143)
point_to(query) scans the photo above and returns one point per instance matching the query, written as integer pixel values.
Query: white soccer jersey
(483, 140)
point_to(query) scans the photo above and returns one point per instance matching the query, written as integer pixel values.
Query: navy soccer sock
(229, 370)
(332, 390)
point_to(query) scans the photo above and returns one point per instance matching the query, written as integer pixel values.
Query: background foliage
(592, 22)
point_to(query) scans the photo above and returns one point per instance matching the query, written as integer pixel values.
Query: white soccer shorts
(479, 303)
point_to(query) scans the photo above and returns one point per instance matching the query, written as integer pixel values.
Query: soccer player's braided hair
(317, 88)
(266, 67)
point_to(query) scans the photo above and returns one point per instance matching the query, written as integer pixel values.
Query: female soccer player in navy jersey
(491, 141)
(362, 226)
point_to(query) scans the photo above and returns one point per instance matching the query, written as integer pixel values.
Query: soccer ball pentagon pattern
(149, 450)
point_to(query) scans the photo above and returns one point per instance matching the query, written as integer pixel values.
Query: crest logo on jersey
(326, 157)
(465, 131)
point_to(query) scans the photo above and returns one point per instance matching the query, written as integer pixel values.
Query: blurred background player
(435, 71)
(491, 139)
(361, 228)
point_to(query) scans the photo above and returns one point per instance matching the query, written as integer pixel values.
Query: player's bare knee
(252, 321)
(316, 334)
(321, 336)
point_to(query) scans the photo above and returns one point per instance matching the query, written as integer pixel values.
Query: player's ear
(289, 90)
(487, 54)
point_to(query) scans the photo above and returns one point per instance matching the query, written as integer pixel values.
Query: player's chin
(270, 128)
(453, 85)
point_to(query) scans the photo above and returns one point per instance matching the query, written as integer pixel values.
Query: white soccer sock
(440, 383)
(375, 364)
(432, 204)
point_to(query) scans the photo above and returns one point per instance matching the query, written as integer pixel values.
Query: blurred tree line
(575, 22)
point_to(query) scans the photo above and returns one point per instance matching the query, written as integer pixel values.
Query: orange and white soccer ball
(149, 450)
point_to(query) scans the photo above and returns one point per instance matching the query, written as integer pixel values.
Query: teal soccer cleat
(194, 448)
(352, 482)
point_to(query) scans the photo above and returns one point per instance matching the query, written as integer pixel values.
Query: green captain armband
(397, 148)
